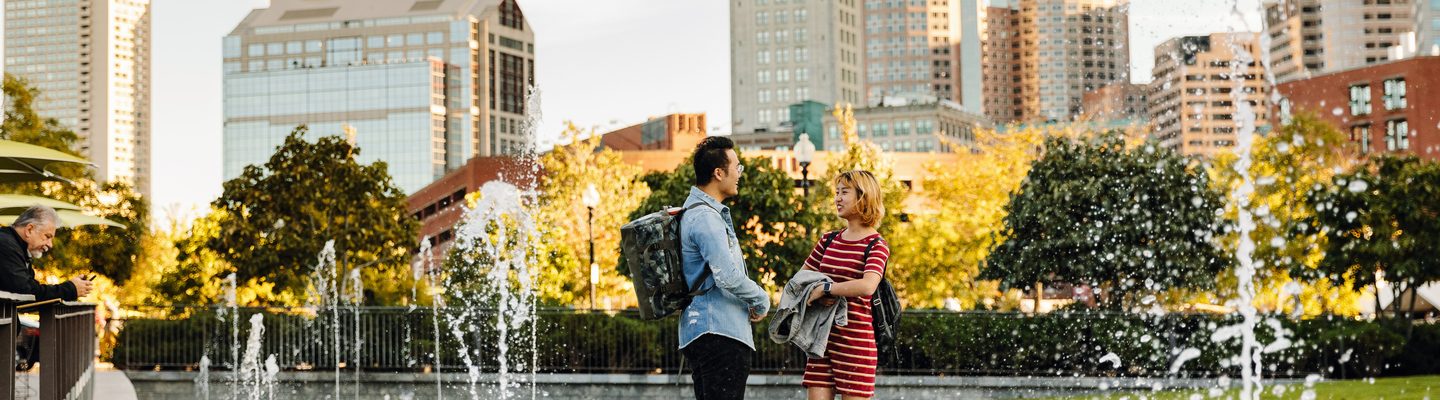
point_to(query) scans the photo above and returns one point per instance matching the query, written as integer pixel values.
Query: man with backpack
(715, 332)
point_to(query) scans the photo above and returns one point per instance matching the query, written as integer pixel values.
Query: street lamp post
(804, 153)
(591, 198)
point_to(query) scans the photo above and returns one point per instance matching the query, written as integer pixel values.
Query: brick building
(1385, 108)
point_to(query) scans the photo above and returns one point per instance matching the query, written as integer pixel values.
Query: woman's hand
(817, 296)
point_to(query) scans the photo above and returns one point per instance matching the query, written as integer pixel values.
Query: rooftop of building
(289, 12)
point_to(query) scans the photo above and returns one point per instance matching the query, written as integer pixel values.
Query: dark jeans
(720, 366)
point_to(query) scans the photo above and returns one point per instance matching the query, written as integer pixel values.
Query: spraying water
(325, 293)
(234, 333)
(250, 367)
(202, 381)
(493, 246)
(491, 259)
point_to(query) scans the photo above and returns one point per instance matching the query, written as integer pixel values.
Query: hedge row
(931, 343)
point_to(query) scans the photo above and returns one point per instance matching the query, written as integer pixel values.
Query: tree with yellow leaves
(942, 250)
(1287, 164)
(565, 173)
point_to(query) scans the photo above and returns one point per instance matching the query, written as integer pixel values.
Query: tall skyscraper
(1295, 32)
(1040, 57)
(1192, 97)
(786, 52)
(1311, 37)
(1070, 47)
(912, 50)
(91, 62)
(423, 85)
(1427, 27)
(1000, 61)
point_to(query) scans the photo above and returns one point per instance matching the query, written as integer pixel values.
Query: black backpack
(885, 308)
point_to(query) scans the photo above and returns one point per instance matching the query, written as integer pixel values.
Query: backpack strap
(830, 237)
(704, 271)
(866, 258)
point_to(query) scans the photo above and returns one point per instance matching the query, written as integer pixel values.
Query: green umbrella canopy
(16, 156)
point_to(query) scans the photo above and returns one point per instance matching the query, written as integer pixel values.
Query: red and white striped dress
(849, 365)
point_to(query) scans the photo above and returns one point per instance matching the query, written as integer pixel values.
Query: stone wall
(168, 385)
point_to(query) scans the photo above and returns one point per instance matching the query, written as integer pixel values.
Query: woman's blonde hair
(868, 199)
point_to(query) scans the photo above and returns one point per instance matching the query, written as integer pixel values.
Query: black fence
(581, 341)
(67, 346)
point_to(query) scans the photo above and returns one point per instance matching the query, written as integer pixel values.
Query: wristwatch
(827, 289)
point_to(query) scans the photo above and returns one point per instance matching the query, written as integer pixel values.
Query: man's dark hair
(709, 155)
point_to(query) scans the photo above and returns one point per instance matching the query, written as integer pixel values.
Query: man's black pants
(721, 365)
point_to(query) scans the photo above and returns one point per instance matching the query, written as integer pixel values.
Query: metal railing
(67, 350)
(67, 346)
(8, 302)
(583, 341)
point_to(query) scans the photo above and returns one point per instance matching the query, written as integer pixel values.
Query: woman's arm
(859, 287)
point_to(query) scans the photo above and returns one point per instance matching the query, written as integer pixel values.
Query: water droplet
(1357, 186)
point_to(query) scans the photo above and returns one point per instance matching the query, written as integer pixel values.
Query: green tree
(1127, 219)
(776, 226)
(275, 219)
(1287, 164)
(107, 251)
(1382, 217)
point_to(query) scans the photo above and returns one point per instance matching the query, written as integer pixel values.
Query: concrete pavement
(109, 384)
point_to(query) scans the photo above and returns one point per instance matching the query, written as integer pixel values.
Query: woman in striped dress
(850, 362)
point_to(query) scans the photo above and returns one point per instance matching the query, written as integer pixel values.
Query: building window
(1361, 134)
(1360, 100)
(1395, 94)
(1397, 135)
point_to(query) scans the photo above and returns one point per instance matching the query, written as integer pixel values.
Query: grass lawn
(1425, 387)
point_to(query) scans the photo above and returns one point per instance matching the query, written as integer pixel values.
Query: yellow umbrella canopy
(14, 176)
(68, 219)
(12, 205)
(22, 158)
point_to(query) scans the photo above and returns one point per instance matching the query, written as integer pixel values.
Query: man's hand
(82, 286)
(756, 317)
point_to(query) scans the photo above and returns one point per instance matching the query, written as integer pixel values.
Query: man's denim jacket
(708, 239)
